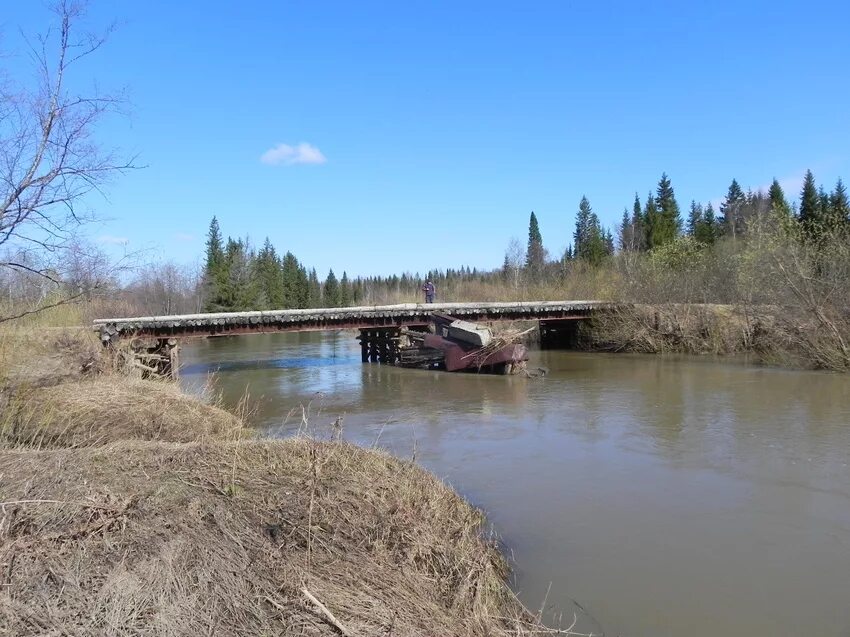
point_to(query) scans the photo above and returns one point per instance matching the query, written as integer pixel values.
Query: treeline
(658, 222)
(236, 276)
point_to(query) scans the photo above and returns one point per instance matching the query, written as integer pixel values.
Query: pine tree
(777, 201)
(534, 257)
(330, 294)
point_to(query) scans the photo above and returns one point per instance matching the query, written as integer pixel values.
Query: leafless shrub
(50, 161)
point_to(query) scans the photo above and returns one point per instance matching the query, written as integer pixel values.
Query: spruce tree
(344, 290)
(652, 221)
(581, 235)
(839, 203)
(810, 203)
(777, 201)
(591, 244)
(706, 230)
(314, 287)
(215, 270)
(731, 210)
(534, 256)
(269, 276)
(670, 219)
(638, 226)
(626, 232)
(330, 294)
(295, 292)
(241, 291)
(694, 218)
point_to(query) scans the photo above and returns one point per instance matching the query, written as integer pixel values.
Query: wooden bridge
(158, 335)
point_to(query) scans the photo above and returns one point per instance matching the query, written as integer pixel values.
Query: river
(652, 496)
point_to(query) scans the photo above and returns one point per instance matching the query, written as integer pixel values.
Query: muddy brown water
(650, 496)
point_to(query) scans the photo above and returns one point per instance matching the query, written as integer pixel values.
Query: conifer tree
(669, 222)
(706, 230)
(609, 242)
(731, 210)
(269, 276)
(215, 270)
(534, 257)
(777, 201)
(241, 291)
(344, 290)
(638, 226)
(626, 232)
(295, 292)
(839, 203)
(314, 287)
(330, 293)
(651, 221)
(695, 216)
(591, 244)
(581, 235)
(810, 203)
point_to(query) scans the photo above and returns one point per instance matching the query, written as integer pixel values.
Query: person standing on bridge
(429, 291)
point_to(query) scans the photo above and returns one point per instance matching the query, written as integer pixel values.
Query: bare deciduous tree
(49, 157)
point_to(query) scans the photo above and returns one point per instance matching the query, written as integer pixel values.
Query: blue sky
(379, 137)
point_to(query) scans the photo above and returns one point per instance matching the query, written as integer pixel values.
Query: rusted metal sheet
(460, 356)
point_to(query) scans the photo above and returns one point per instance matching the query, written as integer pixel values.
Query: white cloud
(182, 236)
(118, 241)
(287, 155)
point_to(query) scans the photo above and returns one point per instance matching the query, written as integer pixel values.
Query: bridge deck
(337, 318)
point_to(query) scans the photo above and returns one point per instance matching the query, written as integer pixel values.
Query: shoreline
(129, 505)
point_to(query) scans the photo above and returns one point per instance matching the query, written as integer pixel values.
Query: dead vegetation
(128, 508)
(96, 411)
(243, 538)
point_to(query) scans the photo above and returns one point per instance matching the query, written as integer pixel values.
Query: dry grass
(128, 508)
(679, 328)
(108, 408)
(47, 356)
(223, 538)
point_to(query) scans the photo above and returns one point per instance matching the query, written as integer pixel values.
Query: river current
(650, 496)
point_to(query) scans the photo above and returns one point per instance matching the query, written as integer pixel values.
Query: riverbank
(770, 334)
(129, 508)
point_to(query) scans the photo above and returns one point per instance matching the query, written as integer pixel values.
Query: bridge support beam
(379, 345)
(156, 357)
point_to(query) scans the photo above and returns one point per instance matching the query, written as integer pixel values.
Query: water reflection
(668, 496)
